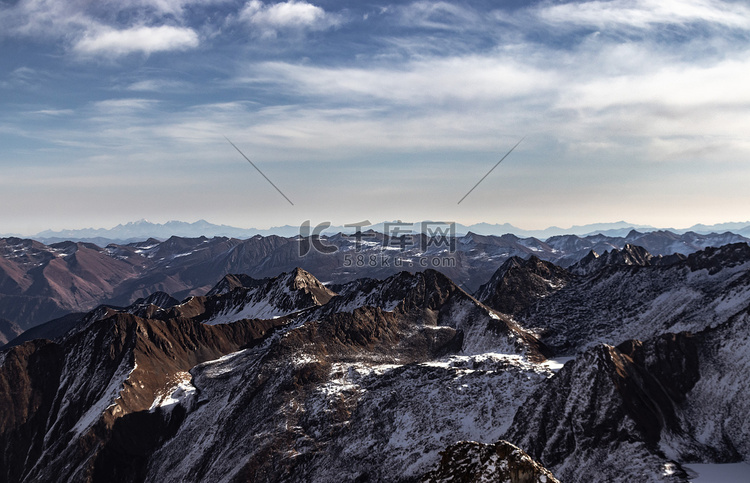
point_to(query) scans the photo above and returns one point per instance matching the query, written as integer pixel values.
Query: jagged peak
(160, 299)
(232, 281)
(629, 255)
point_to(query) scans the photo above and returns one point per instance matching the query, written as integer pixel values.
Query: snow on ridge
(181, 393)
(108, 400)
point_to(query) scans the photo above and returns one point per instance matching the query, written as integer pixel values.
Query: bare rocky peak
(518, 283)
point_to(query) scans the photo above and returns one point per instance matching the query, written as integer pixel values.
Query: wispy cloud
(157, 85)
(428, 81)
(436, 15)
(54, 112)
(20, 77)
(147, 40)
(646, 13)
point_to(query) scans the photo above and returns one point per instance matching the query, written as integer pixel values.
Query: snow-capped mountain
(255, 299)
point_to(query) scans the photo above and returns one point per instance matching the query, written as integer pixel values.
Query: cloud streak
(645, 14)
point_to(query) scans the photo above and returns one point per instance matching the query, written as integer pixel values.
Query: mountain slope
(620, 301)
(8, 331)
(377, 381)
(604, 413)
(80, 389)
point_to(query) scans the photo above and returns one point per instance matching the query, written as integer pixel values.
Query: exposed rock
(471, 462)
(79, 389)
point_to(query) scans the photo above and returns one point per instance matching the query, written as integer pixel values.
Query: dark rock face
(430, 298)
(610, 401)
(518, 283)
(716, 259)
(714, 416)
(629, 255)
(29, 378)
(471, 462)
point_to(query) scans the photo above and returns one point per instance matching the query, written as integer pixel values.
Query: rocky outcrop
(273, 297)
(502, 462)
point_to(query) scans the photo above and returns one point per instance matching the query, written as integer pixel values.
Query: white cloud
(54, 112)
(108, 41)
(95, 28)
(124, 104)
(615, 96)
(270, 18)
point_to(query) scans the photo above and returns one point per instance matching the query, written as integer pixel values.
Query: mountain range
(624, 364)
(143, 229)
(40, 282)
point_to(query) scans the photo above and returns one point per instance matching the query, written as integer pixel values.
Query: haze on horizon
(631, 110)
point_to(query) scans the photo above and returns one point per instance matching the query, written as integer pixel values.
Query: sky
(113, 111)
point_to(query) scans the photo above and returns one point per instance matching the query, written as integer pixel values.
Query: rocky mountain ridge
(41, 282)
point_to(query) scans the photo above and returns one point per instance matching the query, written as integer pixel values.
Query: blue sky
(114, 111)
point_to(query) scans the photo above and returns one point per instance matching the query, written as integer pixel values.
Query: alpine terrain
(621, 364)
